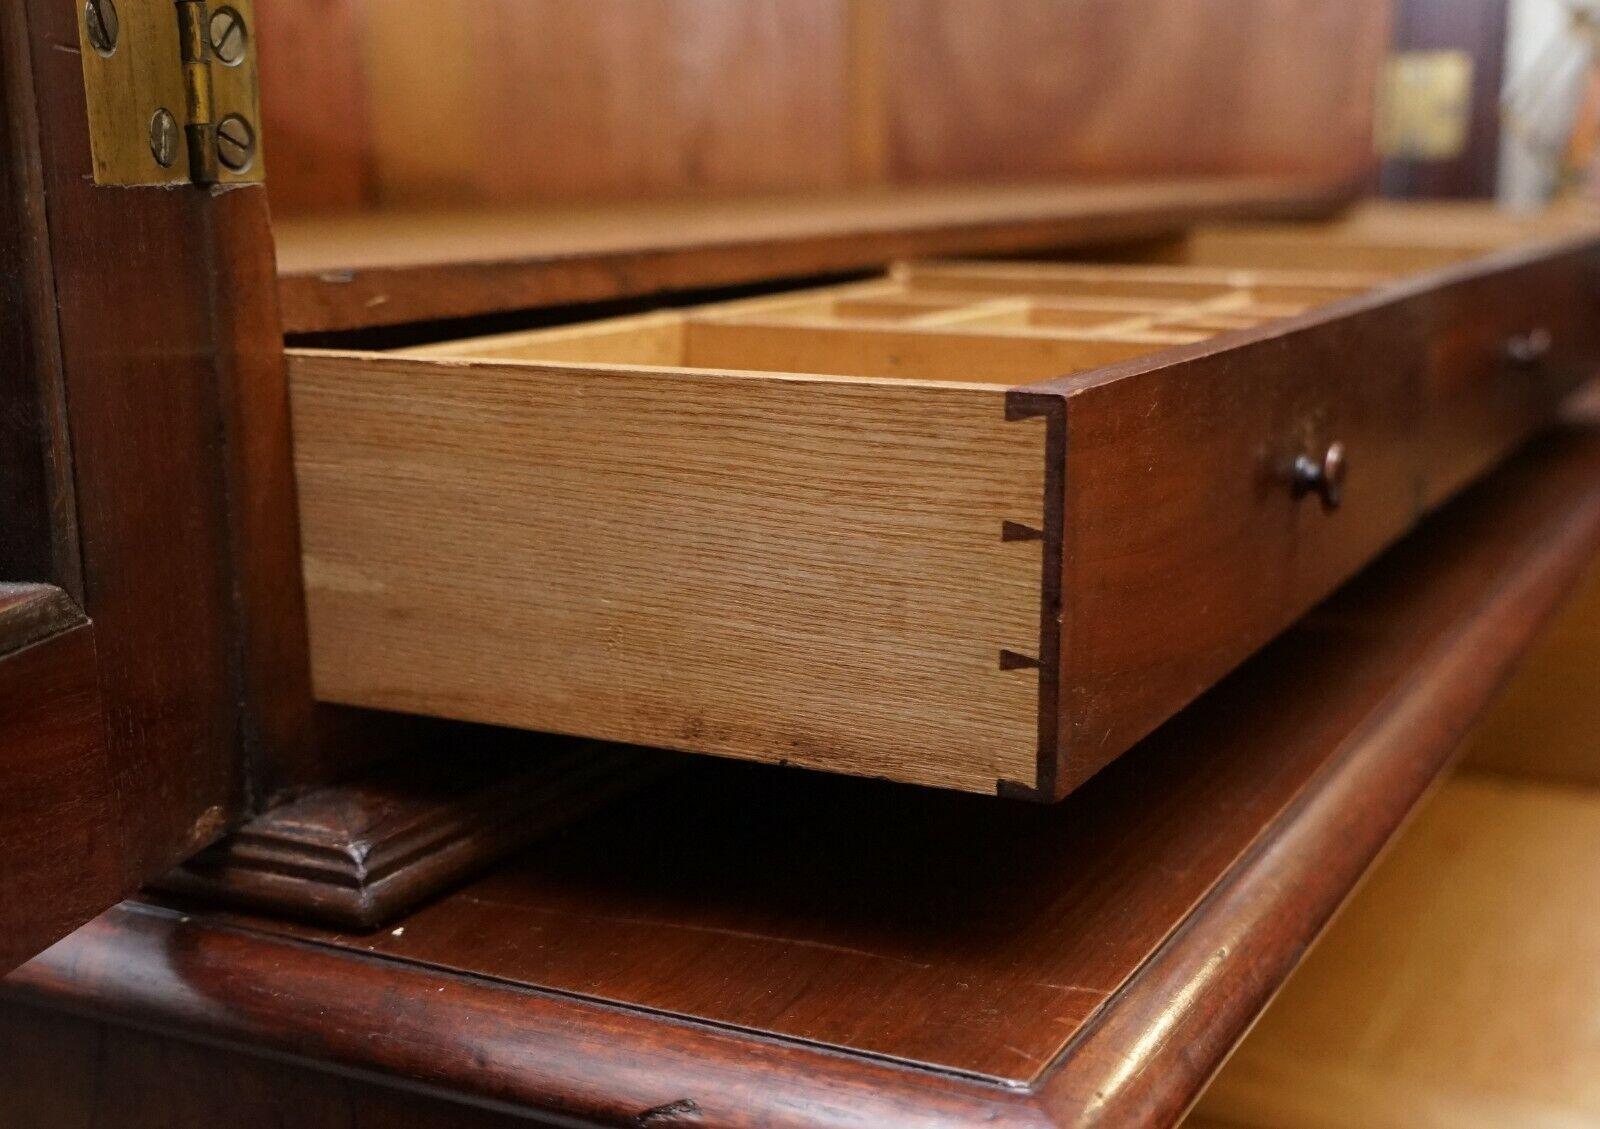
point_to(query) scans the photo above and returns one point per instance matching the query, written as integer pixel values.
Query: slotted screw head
(100, 19)
(228, 36)
(236, 143)
(164, 137)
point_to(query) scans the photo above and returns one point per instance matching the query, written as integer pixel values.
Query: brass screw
(236, 143)
(164, 137)
(228, 36)
(100, 18)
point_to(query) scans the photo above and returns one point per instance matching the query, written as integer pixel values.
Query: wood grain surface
(787, 949)
(62, 1072)
(146, 399)
(341, 272)
(563, 101)
(449, 801)
(1168, 526)
(1132, 88)
(1174, 541)
(734, 566)
(61, 815)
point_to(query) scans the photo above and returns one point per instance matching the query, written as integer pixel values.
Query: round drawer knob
(1323, 476)
(1527, 349)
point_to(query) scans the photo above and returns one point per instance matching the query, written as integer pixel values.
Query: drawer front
(1503, 348)
(1350, 411)
(1195, 529)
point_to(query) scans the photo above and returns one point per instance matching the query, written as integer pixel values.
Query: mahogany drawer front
(1189, 541)
(1504, 345)
(870, 529)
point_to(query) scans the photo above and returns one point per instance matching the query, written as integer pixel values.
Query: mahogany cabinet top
(753, 946)
(359, 270)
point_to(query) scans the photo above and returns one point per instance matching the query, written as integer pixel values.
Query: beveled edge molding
(358, 854)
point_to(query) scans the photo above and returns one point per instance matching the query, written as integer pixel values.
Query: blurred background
(513, 103)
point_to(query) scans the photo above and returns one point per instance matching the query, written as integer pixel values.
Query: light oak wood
(1458, 991)
(1547, 723)
(692, 560)
(1190, 284)
(1377, 238)
(998, 333)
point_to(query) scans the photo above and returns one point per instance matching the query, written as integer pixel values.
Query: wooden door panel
(153, 680)
(59, 818)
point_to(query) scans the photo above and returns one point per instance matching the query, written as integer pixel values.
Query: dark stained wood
(61, 1072)
(39, 533)
(455, 799)
(267, 629)
(170, 358)
(359, 271)
(783, 949)
(1178, 510)
(60, 813)
(31, 612)
(1504, 349)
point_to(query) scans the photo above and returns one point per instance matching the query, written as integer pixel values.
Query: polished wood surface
(714, 98)
(38, 538)
(449, 801)
(787, 949)
(1131, 427)
(175, 398)
(61, 1072)
(61, 815)
(1459, 989)
(1139, 87)
(30, 613)
(388, 268)
(147, 461)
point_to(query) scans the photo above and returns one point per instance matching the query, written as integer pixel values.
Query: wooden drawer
(1504, 347)
(1015, 516)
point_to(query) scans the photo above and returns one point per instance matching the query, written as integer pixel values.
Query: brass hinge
(173, 93)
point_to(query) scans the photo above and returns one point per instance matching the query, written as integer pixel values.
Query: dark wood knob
(1528, 349)
(1322, 476)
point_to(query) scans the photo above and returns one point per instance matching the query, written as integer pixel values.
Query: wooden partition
(418, 103)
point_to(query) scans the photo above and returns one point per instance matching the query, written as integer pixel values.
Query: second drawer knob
(1323, 476)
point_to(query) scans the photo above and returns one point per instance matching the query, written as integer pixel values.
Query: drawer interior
(996, 324)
